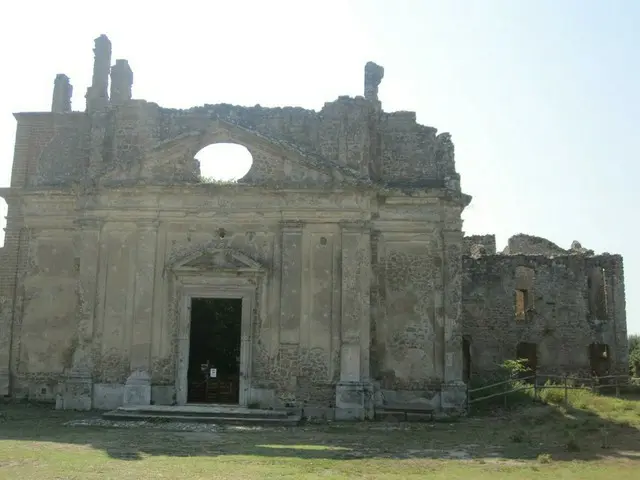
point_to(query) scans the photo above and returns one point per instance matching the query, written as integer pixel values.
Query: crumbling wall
(408, 272)
(480, 245)
(532, 245)
(514, 299)
(63, 158)
(117, 139)
(414, 154)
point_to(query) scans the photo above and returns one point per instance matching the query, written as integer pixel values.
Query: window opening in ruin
(529, 353)
(597, 287)
(3, 223)
(224, 162)
(466, 358)
(599, 359)
(214, 351)
(522, 300)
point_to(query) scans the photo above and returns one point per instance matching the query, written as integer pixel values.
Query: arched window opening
(3, 222)
(224, 162)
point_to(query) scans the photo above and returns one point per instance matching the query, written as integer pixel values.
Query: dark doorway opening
(466, 358)
(599, 359)
(214, 350)
(528, 352)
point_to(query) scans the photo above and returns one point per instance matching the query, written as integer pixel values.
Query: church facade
(340, 253)
(330, 277)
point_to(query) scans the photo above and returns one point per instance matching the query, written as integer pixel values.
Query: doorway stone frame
(239, 278)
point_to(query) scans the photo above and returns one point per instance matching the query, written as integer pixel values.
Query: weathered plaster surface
(344, 241)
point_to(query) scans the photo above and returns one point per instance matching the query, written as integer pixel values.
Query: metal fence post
(566, 391)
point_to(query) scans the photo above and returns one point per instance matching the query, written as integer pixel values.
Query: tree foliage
(634, 355)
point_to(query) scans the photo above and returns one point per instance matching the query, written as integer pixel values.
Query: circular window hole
(224, 162)
(323, 240)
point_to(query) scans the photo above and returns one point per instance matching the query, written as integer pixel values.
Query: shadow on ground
(521, 434)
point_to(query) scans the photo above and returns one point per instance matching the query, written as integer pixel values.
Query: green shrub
(508, 379)
(634, 355)
(544, 458)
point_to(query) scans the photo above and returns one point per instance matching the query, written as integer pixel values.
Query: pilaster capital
(355, 226)
(89, 223)
(452, 234)
(147, 223)
(291, 225)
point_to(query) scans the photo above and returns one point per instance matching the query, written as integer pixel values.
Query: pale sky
(541, 97)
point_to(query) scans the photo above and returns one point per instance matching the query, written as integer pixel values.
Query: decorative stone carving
(214, 257)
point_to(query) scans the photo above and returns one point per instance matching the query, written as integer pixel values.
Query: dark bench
(408, 408)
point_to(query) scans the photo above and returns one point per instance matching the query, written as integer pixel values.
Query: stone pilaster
(453, 390)
(9, 265)
(98, 93)
(76, 390)
(143, 301)
(62, 92)
(290, 308)
(137, 390)
(121, 82)
(353, 393)
(87, 290)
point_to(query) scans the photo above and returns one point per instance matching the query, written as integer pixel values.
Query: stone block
(4, 381)
(163, 395)
(319, 413)
(137, 390)
(426, 398)
(76, 393)
(350, 363)
(44, 392)
(354, 401)
(107, 396)
(454, 397)
(265, 397)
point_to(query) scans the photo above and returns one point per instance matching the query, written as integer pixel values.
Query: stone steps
(205, 414)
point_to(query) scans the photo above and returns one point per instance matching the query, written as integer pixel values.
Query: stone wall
(139, 141)
(560, 303)
(102, 283)
(344, 241)
(120, 140)
(477, 245)
(532, 245)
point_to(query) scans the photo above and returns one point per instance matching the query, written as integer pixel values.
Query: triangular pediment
(216, 259)
(171, 153)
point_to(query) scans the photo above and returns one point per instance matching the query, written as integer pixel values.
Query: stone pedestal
(454, 397)
(354, 401)
(76, 392)
(4, 381)
(137, 390)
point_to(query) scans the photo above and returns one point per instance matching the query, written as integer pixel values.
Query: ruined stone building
(332, 276)
(561, 310)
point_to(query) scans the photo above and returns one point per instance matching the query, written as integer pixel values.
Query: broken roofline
(122, 82)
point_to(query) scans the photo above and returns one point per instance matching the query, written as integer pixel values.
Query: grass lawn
(595, 438)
